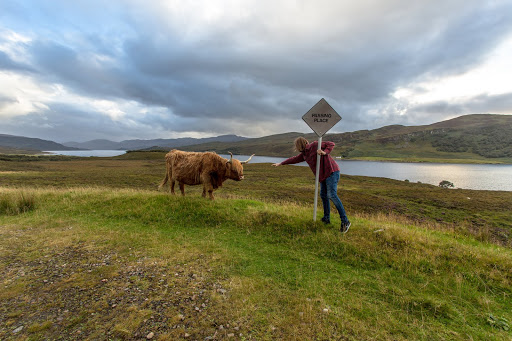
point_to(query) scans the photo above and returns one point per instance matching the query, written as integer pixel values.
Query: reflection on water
(481, 177)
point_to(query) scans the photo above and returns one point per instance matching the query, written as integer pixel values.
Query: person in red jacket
(328, 177)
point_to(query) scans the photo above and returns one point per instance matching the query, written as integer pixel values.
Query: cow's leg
(207, 186)
(208, 189)
(182, 188)
(172, 186)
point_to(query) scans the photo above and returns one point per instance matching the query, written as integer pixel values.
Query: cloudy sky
(126, 69)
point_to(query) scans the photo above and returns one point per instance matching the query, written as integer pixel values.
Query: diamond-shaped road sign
(321, 117)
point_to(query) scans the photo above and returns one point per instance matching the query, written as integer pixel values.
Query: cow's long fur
(192, 168)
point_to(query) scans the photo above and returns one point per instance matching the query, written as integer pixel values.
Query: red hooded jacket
(327, 163)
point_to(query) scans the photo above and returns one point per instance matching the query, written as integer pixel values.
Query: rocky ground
(80, 293)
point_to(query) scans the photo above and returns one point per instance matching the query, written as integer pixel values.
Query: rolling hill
(24, 145)
(147, 144)
(481, 138)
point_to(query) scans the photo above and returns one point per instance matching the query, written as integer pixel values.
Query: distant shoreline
(424, 160)
(109, 153)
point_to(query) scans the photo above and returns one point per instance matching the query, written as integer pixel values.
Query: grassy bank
(414, 152)
(433, 160)
(89, 249)
(482, 214)
(17, 151)
(85, 263)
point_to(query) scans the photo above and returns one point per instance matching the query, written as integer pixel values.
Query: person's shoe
(326, 220)
(344, 227)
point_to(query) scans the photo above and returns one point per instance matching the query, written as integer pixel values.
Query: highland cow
(208, 169)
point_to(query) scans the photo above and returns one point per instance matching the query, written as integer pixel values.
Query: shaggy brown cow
(209, 169)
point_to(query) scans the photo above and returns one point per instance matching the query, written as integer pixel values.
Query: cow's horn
(249, 159)
(231, 159)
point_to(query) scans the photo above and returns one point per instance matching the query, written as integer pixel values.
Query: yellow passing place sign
(321, 117)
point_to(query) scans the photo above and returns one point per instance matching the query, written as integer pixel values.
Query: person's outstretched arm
(290, 161)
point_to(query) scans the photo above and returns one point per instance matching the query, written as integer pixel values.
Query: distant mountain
(12, 150)
(29, 143)
(470, 138)
(484, 138)
(94, 145)
(156, 143)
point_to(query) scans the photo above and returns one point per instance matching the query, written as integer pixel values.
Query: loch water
(468, 176)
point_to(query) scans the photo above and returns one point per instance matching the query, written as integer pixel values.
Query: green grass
(17, 151)
(18, 203)
(484, 215)
(284, 276)
(102, 254)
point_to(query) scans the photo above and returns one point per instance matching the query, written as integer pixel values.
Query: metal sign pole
(317, 177)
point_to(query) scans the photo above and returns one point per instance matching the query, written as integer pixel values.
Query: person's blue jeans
(328, 193)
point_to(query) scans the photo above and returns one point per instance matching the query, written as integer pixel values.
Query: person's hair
(300, 144)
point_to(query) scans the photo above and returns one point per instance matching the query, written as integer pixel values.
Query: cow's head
(235, 168)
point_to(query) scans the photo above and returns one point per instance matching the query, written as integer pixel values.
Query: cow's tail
(167, 174)
(164, 181)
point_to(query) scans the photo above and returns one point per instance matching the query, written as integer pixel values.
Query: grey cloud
(248, 73)
(6, 100)
(168, 71)
(484, 103)
(465, 40)
(403, 112)
(64, 122)
(74, 68)
(6, 63)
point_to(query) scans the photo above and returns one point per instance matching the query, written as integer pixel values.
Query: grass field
(90, 249)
